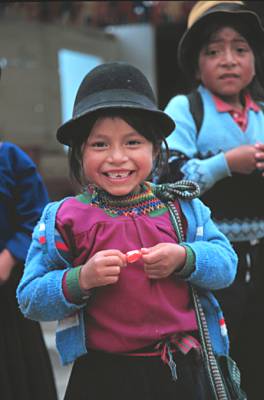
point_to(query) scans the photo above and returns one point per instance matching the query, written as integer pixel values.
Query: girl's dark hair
(142, 121)
(256, 87)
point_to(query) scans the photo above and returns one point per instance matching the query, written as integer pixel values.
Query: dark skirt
(243, 307)
(101, 376)
(25, 367)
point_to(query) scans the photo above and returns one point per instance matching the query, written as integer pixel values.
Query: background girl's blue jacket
(206, 163)
(41, 297)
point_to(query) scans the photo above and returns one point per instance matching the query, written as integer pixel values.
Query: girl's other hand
(260, 157)
(242, 159)
(102, 269)
(162, 260)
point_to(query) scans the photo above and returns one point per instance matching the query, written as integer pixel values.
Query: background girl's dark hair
(256, 87)
(143, 122)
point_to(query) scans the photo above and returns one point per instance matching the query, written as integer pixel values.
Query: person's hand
(7, 263)
(162, 260)
(242, 159)
(260, 157)
(102, 269)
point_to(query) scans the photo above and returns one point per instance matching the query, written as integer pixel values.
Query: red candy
(133, 255)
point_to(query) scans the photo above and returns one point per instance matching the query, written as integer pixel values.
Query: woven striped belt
(165, 349)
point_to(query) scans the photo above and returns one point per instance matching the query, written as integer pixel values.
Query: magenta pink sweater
(136, 311)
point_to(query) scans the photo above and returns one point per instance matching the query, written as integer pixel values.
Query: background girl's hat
(205, 11)
(113, 85)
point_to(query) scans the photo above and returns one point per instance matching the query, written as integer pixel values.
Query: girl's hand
(102, 269)
(242, 159)
(162, 260)
(7, 263)
(260, 156)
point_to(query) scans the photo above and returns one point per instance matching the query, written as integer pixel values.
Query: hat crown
(114, 76)
(202, 7)
(113, 86)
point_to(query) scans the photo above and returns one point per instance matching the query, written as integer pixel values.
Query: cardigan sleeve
(215, 258)
(185, 157)
(40, 291)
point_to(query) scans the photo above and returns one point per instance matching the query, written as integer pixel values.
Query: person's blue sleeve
(183, 144)
(30, 196)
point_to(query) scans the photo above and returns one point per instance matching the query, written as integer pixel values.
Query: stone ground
(61, 373)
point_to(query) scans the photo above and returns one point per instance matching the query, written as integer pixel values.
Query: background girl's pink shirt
(239, 116)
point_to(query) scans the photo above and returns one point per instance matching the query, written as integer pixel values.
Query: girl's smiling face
(226, 65)
(116, 157)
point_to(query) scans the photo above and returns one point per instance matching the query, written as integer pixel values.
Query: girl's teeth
(118, 175)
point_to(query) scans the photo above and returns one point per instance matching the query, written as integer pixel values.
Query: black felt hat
(113, 85)
(205, 12)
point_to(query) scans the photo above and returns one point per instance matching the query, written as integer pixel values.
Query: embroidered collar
(137, 203)
(150, 199)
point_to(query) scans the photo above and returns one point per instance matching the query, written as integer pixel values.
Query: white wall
(30, 95)
(137, 46)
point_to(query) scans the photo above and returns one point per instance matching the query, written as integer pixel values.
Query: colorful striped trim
(61, 246)
(223, 327)
(59, 243)
(142, 203)
(42, 230)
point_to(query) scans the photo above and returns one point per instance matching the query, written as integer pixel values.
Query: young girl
(108, 263)
(222, 53)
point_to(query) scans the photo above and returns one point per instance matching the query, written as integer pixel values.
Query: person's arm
(185, 161)
(29, 197)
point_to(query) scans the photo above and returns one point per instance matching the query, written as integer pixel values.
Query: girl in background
(222, 54)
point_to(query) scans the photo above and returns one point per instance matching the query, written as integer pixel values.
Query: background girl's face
(116, 157)
(226, 64)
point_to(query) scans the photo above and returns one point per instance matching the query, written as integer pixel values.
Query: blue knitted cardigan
(40, 295)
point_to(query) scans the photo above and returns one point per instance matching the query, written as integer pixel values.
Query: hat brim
(190, 39)
(113, 101)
